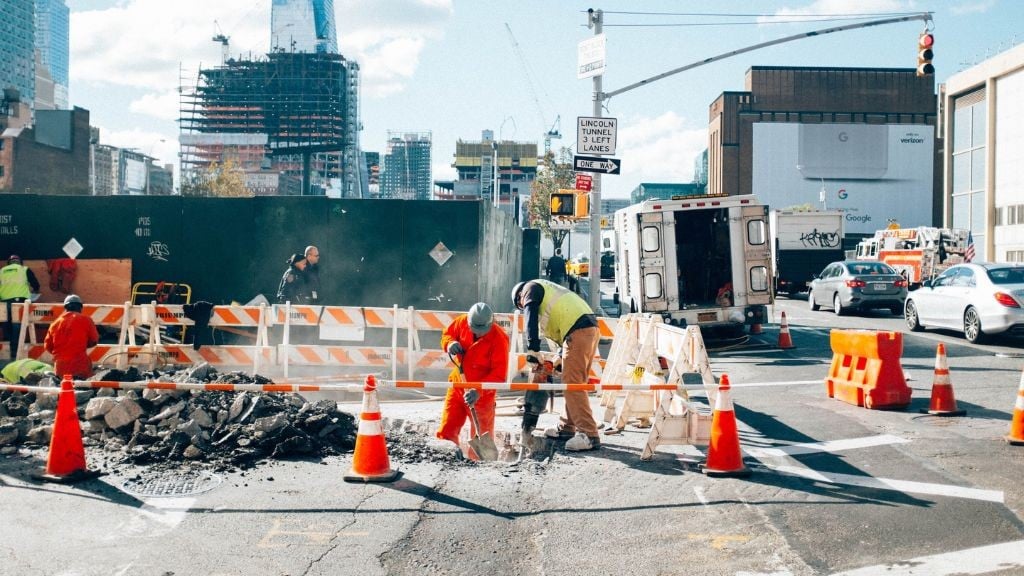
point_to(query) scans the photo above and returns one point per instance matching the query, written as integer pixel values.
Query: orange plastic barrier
(866, 369)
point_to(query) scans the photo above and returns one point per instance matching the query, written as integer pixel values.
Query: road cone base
(944, 412)
(1014, 441)
(713, 473)
(76, 476)
(388, 476)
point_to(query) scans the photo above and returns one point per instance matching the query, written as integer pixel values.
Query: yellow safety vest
(14, 282)
(16, 371)
(559, 310)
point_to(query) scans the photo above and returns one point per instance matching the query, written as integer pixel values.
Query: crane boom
(552, 132)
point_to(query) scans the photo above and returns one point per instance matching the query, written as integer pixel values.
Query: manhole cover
(171, 484)
(938, 420)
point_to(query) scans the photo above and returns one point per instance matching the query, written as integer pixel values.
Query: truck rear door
(653, 280)
(756, 255)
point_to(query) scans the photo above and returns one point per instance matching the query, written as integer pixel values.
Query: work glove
(472, 395)
(455, 349)
(533, 361)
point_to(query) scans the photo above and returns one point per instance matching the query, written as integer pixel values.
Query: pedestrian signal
(925, 42)
(563, 204)
(582, 206)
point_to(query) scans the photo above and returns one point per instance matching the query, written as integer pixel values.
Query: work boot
(582, 443)
(559, 433)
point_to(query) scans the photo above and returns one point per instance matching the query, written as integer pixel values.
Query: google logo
(842, 194)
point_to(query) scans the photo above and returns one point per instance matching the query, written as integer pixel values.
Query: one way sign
(596, 164)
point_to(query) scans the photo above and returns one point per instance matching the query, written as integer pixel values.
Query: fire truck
(917, 253)
(695, 260)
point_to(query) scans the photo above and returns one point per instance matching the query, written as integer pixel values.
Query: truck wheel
(837, 306)
(810, 302)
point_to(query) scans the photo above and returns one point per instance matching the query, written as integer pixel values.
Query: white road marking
(727, 353)
(787, 383)
(699, 491)
(897, 485)
(828, 446)
(981, 560)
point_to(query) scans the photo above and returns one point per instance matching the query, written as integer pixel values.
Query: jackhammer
(533, 403)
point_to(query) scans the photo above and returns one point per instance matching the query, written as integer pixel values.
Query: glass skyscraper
(17, 48)
(303, 26)
(52, 22)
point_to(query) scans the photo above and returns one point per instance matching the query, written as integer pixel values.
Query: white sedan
(977, 299)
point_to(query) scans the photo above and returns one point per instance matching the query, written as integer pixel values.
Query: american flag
(969, 252)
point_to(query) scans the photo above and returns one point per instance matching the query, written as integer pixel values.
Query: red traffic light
(926, 40)
(925, 54)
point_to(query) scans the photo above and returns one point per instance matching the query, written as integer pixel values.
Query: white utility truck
(695, 260)
(804, 242)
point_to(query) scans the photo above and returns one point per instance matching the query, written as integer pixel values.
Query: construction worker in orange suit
(68, 339)
(481, 347)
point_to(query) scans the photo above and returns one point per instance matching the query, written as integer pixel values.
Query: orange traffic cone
(943, 403)
(1016, 435)
(66, 461)
(370, 462)
(785, 340)
(724, 455)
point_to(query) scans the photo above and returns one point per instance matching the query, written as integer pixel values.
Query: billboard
(873, 172)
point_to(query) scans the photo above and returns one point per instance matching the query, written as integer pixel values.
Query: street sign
(590, 57)
(596, 135)
(584, 182)
(596, 165)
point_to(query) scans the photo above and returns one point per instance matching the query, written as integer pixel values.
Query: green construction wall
(372, 252)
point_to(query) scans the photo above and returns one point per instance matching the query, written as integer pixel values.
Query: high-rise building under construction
(289, 117)
(406, 174)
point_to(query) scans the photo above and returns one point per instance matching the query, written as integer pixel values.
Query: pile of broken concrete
(223, 429)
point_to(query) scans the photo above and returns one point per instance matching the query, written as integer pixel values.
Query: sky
(451, 67)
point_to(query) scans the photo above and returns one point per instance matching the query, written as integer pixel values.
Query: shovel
(482, 444)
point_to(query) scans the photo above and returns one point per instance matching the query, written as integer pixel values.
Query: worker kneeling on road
(481, 347)
(25, 371)
(68, 339)
(556, 313)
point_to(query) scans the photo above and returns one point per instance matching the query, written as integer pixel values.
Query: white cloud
(163, 106)
(847, 7)
(656, 149)
(443, 171)
(151, 44)
(163, 147)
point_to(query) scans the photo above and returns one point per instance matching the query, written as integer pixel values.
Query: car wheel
(810, 302)
(972, 326)
(910, 315)
(837, 306)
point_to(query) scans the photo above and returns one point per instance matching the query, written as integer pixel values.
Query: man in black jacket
(312, 255)
(556, 267)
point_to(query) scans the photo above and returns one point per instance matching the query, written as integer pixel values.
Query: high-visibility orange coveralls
(485, 360)
(68, 339)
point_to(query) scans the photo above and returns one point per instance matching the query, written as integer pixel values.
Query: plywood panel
(99, 281)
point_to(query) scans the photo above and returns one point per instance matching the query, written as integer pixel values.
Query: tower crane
(555, 131)
(224, 41)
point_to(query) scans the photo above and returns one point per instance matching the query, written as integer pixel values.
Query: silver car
(858, 284)
(977, 299)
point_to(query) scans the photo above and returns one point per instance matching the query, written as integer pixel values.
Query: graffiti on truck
(820, 239)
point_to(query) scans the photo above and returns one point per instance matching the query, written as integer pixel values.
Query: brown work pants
(577, 354)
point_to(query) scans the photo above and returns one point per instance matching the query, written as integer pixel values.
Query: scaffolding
(295, 114)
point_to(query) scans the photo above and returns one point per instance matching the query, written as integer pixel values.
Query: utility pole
(595, 20)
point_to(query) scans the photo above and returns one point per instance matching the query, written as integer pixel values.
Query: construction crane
(555, 131)
(224, 41)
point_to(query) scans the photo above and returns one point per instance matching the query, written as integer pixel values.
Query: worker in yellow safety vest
(17, 284)
(26, 370)
(552, 311)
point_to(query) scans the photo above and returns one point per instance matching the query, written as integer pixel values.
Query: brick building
(858, 139)
(50, 157)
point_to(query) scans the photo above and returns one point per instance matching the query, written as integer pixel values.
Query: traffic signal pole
(595, 20)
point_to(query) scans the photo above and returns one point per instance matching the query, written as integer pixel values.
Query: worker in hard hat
(69, 338)
(17, 284)
(25, 371)
(560, 315)
(480, 347)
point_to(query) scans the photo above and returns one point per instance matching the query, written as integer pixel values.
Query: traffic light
(582, 206)
(925, 42)
(562, 204)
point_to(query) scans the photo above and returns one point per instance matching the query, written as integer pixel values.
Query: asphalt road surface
(834, 489)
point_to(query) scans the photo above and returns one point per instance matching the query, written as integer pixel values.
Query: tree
(220, 180)
(554, 175)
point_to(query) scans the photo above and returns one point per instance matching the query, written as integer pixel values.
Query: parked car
(858, 284)
(977, 299)
(607, 265)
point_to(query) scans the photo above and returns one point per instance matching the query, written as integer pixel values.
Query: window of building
(969, 165)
